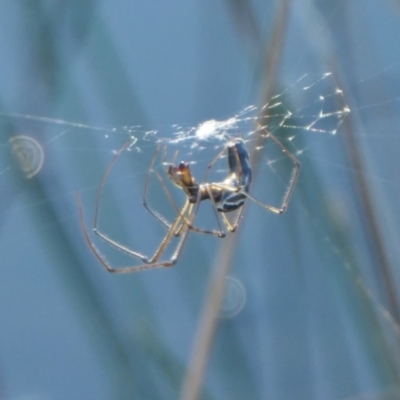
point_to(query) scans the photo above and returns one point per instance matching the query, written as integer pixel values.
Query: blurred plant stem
(208, 322)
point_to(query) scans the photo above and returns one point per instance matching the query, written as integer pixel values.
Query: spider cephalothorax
(182, 177)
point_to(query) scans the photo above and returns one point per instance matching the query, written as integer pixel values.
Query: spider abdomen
(230, 201)
(237, 184)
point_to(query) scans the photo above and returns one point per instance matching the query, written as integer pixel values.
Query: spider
(225, 196)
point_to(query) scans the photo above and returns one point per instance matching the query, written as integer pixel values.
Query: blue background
(319, 284)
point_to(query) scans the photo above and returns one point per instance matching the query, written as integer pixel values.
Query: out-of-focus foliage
(312, 304)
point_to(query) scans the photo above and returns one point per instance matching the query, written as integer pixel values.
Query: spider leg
(96, 229)
(97, 253)
(105, 177)
(239, 164)
(167, 238)
(220, 233)
(188, 213)
(148, 264)
(293, 178)
(233, 226)
(185, 223)
(178, 230)
(209, 166)
(154, 213)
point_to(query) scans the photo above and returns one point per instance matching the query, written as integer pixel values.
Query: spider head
(182, 177)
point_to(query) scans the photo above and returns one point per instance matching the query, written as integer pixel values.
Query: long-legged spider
(225, 196)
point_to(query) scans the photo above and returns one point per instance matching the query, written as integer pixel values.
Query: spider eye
(182, 166)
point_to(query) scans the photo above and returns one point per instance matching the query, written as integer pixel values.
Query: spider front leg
(96, 229)
(160, 218)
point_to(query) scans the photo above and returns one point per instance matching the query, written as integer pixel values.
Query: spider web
(305, 117)
(301, 116)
